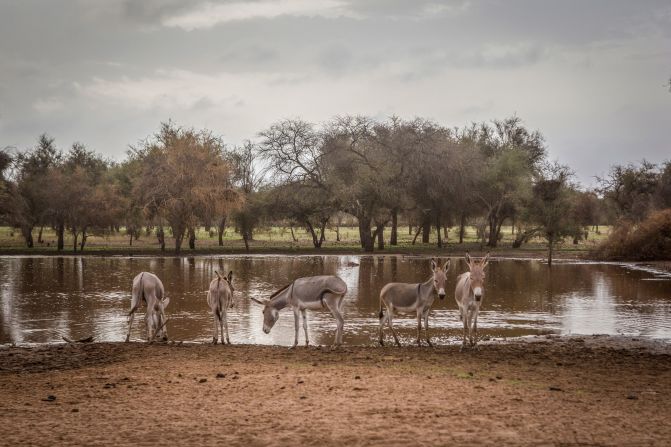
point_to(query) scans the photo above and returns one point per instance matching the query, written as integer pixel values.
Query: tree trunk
(493, 220)
(426, 230)
(365, 236)
(293, 235)
(220, 230)
(83, 243)
(160, 235)
(130, 240)
(393, 239)
(462, 228)
(60, 231)
(322, 236)
(316, 241)
(27, 232)
(338, 233)
(39, 235)
(192, 238)
(379, 232)
(550, 244)
(245, 239)
(414, 239)
(178, 233)
(439, 243)
(75, 234)
(409, 229)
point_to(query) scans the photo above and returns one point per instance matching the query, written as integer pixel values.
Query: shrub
(646, 241)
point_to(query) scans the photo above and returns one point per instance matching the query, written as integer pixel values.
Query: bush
(647, 241)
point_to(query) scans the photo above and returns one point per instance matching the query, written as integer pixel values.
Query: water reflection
(45, 298)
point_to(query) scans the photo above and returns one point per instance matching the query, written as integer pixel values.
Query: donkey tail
(381, 314)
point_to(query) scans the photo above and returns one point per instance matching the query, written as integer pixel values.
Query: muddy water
(45, 298)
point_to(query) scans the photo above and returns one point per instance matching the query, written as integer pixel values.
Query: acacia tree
(32, 188)
(184, 176)
(294, 152)
(248, 180)
(361, 173)
(550, 206)
(630, 189)
(7, 188)
(512, 155)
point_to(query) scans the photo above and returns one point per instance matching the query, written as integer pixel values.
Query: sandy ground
(557, 391)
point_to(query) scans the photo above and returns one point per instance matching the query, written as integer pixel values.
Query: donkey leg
(383, 320)
(475, 329)
(464, 318)
(134, 306)
(225, 322)
(296, 327)
(334, 304)
(419, 327)
(131, 316)
(305, 326)
(215, 335)
(426, 326)
(390, 316)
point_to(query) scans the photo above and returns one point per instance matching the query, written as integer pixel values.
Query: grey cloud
(453, 61)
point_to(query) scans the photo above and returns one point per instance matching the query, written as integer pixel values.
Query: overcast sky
(590, 75)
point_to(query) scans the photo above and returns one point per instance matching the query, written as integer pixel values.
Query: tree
(32, 188)
(183, 177)
(248, 180)
(361, 173)
(550, 205)
(630, 189)
(7, 190)
(511, 155)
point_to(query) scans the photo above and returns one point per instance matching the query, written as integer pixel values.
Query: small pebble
(202, 380)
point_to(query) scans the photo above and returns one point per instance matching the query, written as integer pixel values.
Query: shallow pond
(43, 299)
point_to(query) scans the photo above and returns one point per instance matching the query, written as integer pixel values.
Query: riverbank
(538, 391)
(420, 250)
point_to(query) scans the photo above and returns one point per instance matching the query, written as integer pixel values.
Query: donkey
(468, 294)
(220, 298)
(312, 292)
(413, 298)
(148, 288)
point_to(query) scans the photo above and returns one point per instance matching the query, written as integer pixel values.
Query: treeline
(297, 174)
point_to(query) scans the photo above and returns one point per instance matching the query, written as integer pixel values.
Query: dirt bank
(587, 391)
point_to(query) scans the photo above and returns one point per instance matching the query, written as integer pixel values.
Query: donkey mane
(279, 291)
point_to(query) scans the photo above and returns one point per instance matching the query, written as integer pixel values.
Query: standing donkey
(148, 288)
(468, 294)
(312, 292)
(418, 298)
(220, 298)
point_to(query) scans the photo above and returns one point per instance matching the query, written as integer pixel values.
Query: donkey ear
(433, 264)
(218, 275)
(447, 265)
(230, 276)
(485, 260)
(468, 260)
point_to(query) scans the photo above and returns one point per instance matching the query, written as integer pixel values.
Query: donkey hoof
(381, 343)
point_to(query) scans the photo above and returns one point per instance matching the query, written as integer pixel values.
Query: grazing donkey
(220, 298)
(418, 298)
(468, 294)
(312, 292)
(148, 288)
